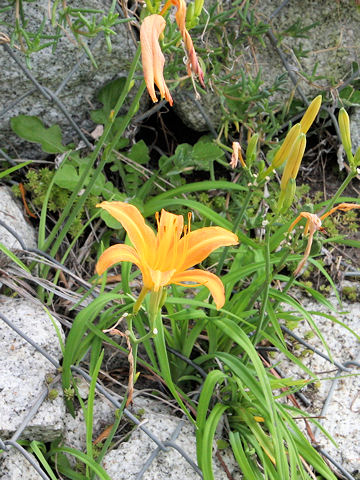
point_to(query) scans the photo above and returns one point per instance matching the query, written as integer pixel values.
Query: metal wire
(110, 396)
(315, 350)
(161, 446)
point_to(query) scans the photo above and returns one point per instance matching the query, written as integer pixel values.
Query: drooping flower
(167, 257)
(313, 224)
(236, 156)
(153, 59)
(180, 17)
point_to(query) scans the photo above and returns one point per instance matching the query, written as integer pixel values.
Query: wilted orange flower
(236, 156)
(313, 224)
(180, 17)
(166, 258)
(153, 59)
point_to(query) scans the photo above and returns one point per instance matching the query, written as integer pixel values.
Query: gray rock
(342, 415)
(75, 428)
(331, 46)
(49, 69)
(23, 370)
(125, 462)
(12, 215)
(355, 128)
(13, 466)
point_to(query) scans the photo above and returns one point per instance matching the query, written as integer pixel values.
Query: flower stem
(237, 222)
(266, 285)
(71, 210)
(342, 187)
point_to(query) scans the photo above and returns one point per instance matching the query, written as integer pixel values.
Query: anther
(157, 219)
(189, 221)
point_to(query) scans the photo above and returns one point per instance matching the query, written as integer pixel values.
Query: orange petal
(122, 253)
(170, 228)
(193, 63)
(207, 279)
(141, 236)
(170, 222)
(344, 207)
(180, 18)
(160, 279)
(197, 245)
(153, 59)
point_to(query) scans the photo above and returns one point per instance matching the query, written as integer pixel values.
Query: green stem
(212, 170)
(287, 287)
(237, 222)
(60, 230)
(342, 187)
(266, 287)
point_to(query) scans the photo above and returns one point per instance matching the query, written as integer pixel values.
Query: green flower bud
(251, 149)
(284, 151)
(190, 14)
(310, 114)
(198, 7)
(344, 125)
(286, 197)
(293, 163)
(356, 160)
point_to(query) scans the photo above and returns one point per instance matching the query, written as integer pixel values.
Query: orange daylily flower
(313, 224)
(153, 59)
(166, 258)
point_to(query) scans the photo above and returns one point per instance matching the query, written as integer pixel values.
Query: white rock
(12, 215)
(23, 370)
(125, 462)
(75, 428)
(355, 128)
(14, 466)
(342, 418)
(330, 47)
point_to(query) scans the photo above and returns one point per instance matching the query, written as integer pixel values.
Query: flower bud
(356, 160)
(198, 7)
(310, 114)
(287, 196)
(190, 17)
(344, 125)
(285, 149)
(251, 149)
(293, 163)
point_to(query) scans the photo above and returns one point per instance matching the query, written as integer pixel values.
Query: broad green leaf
(67, 176)
(206, 151)
(108, 96)
(32, 129)
(139, 152)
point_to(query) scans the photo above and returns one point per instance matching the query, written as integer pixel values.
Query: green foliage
(33, 130)
(37, 184)
(82, 22)
(187, 343)
(350, 293)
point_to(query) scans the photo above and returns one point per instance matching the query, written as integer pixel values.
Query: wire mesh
(53, 97)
